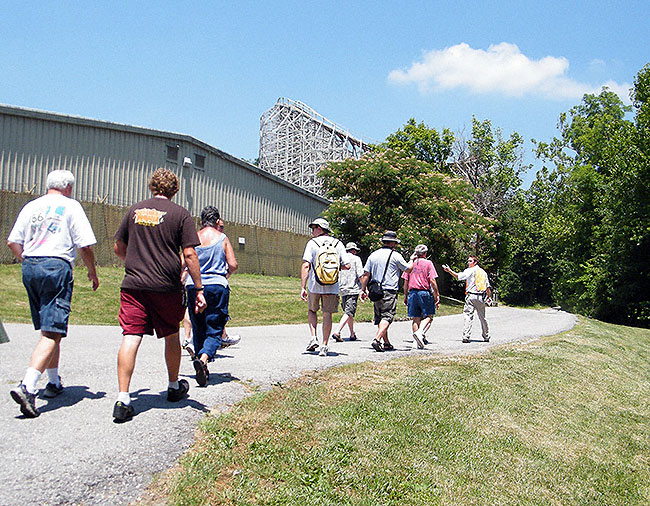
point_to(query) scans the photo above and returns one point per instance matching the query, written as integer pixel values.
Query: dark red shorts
(143, 311)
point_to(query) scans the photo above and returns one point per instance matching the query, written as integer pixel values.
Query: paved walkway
(74, 454)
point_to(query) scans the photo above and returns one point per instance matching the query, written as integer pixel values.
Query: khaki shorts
(330, 302)
(386, 307)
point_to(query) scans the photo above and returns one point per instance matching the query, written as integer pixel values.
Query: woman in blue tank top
(217, 260)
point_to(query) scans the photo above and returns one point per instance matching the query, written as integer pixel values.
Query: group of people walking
(159, 244)
(331, 273)
(169, 266)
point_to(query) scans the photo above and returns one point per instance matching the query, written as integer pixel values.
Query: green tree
(388, 190)
(595, 226)
(423, 143)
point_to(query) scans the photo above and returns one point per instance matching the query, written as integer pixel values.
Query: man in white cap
(45, 238)
(385, 266)
(322, 260)
(350, 288)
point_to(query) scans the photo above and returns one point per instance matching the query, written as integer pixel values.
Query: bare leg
(344, 320)
(415, 325)
(327, 327)
(126, 360)
(382, 331)
(351, 325)
(173, 356)
(187, 326)
(312, 319)
(46, 352)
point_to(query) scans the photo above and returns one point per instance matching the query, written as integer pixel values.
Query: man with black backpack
(380, 283)
(322, 260)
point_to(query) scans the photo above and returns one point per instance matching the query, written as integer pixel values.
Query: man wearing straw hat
(385, 266)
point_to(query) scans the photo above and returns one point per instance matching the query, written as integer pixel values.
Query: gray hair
(59, 180)
(421, 250)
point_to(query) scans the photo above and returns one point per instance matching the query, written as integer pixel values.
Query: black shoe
(189, 350)
(51, 390)
(424, 340)
(337, 338)
(202, 373)
(26, 400)
(466, 340)
(122, 412)
(486, 339)
(175, 395)
(388, 347)
(353, 337)
(377, 345)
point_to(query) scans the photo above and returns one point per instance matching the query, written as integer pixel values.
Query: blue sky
(210, 69)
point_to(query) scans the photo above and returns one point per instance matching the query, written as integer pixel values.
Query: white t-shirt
(310, 256)
(52, 226)
(469, 276)
(376, 264)
(349, 283)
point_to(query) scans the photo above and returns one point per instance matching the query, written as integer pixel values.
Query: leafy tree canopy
(389, 190)
(423, 143)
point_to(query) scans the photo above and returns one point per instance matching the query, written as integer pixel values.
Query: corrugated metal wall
(112, 164)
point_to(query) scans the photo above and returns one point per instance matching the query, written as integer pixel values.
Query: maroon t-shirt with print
(155, 231)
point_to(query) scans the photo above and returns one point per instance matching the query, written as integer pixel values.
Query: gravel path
(74, 453)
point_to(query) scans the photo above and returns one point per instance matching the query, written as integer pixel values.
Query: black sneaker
(353, 337)
(337, 338)
(175, 395)
(424, 340)
(122, 412)
(51, 390)
(388, 347)
(202, 373)
(26, 400)
(466, 340)
(377, 345)
(486, 339)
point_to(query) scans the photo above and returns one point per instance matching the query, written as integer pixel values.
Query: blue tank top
(212, 260)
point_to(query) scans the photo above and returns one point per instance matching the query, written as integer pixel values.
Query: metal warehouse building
(112, 164)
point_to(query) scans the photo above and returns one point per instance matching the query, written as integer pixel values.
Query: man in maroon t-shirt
(150, 239)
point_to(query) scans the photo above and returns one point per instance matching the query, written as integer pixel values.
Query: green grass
(254, 300)
(564, 421)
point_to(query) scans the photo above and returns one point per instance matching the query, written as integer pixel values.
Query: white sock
(53, 376)
(124, 398)
(31, 378)
(173, 385)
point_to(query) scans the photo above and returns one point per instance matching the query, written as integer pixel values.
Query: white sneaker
(323, 351)
(418, 340)
(230, 340)
(313, 344)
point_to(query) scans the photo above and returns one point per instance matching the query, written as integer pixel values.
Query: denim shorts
(420, 304)
(49, 282)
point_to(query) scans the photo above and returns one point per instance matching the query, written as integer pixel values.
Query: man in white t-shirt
(350, 288)
(475, 297)
(313, 290)
(385, 265)
(44, 239)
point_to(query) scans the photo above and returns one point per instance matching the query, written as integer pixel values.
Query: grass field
(563, 421)
(254, 300)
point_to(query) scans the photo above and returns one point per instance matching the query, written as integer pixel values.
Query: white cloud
(501, 69)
